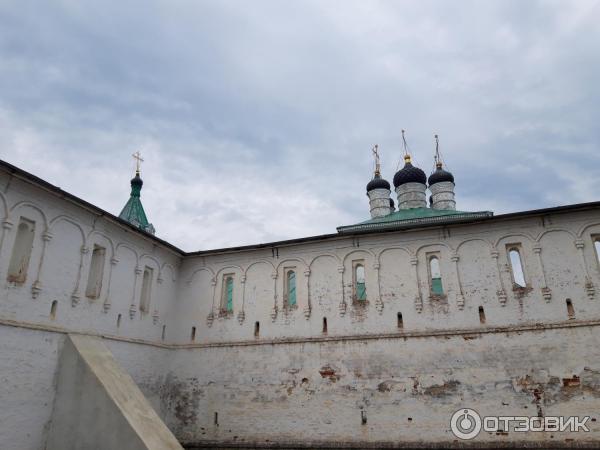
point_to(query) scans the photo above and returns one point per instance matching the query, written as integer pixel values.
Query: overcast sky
(256, 119)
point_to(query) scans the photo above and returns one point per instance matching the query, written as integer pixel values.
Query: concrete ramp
(98, 405)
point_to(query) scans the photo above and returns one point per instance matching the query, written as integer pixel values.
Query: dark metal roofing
(377, 183)
(409, 174)
(440, 175)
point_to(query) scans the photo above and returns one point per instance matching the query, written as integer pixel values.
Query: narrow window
(597, 247)
(570, 309)
(360, 288)
(481, 315)
(216, 419)
(256, 329)
(436, 276)
(324, 325)
(118, 320)
(227, 295)
(516, 267)
(19, 261)
(146, 290)
(193, 335)
(53, 310)
(94, 284)
(290, 290)
(162, 335)
(400, 322)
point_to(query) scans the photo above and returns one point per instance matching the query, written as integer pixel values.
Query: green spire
(133, 211)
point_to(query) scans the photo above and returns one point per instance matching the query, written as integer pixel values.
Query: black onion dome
(440, 175)
(377, 183)
(137, 180)
(409, 174)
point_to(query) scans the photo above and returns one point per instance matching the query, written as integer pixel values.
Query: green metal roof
(133, 211)
(406, 218)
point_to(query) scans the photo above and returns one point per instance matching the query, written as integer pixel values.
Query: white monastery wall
(559, 263)
(31, 337)
(295, 384)
(315, 393)
(526, 348)
(59, 267)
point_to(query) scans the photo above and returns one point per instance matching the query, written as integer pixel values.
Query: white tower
(378, 191)
(441, 184)
(410, 183)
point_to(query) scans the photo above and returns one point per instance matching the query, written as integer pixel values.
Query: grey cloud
(257, 119)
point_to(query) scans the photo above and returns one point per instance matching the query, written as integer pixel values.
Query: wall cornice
(467, 333)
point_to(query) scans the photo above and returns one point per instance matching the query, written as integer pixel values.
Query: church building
(373, 336)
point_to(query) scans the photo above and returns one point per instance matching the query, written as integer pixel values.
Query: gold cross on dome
(138, 160)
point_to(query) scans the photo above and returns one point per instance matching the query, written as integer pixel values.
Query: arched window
(290, 288)
(516, 267)
(94, 284)
(436, 276)
(360, 288)
(227, 299)
(19, 260)
(146, 290)
(597, 246)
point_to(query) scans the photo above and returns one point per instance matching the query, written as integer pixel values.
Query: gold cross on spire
(138, 161)
(376, 156)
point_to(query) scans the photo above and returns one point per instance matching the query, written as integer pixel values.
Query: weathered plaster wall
(315, 393)
(303, 384)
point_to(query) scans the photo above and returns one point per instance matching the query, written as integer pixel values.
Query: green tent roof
(405, 218)
(133, 211)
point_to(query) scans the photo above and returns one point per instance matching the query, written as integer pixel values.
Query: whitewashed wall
(559, 263)
(31, 339)
(364, 362)
(295, 385)
(314, 393)
(59, 266)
